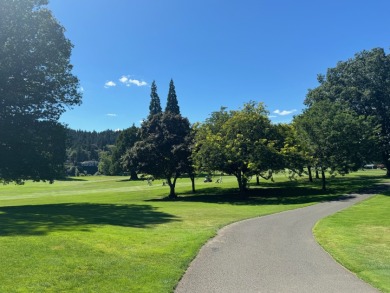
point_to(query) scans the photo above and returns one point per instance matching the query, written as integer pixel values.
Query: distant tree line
(84, 148)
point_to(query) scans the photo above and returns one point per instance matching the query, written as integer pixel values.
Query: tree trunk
(172, 194)
(386, 162)
(310, 175)
(133, 175)
(257, 180)
(317, 174)
(241, 183)
(323, 179)
(192, 177)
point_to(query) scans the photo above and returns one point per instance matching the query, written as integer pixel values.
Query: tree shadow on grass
(255, 196)
(72, 179)
(43, 219)
(286, 193)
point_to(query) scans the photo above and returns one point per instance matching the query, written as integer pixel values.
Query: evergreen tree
(172, 104)
(155, 105)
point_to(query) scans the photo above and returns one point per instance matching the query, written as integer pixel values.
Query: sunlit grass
(359, 238)
(107, 234)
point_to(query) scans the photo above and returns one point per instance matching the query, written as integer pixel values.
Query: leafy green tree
(37, 153)
(172, 103)
(337, 138)
(163, 149)
(36, 87)
(236, 142)
(105, 166)
(125, 141)
(296, 157)
(363, 84)
(155, 105)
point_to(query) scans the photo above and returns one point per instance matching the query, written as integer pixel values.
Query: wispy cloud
(284, 112)
(111, 115)
(109, 84)
(126, 80)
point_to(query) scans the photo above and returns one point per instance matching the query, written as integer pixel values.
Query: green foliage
(363, 84)
(35, 73)
(126, 139)
(295, 156)
(155, 105)
(337, 138)
(163, 149)
(84, 148)
(31, 149)
(172, 103)
(241, 143)
(105, 166)
(36, 87)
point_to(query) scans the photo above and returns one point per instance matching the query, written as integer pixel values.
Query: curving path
(275, 253)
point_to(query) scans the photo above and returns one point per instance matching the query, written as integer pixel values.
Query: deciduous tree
(36, 87)
(363, 84)
(335, 136)
(237, 142)
(125, 141)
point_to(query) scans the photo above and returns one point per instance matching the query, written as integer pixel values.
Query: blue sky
(219, 53)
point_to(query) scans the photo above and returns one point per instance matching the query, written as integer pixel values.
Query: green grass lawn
(359, 238)
(107, 234)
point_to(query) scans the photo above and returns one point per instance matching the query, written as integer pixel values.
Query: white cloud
(284, 112)
(111, 115)
(109, 84)
(272, 116)
(128, 81)
(137, 82)
(123, 79)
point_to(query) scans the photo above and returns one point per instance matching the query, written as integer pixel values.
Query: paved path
(275, 253)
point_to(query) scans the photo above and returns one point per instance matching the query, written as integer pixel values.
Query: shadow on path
(43, 219)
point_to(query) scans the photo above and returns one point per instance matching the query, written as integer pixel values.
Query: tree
(363, 84)
(163, 149)
(36, 87)
(294, 151)
(172, 104)
(337, 138)
(35, 153)
(106, 165)
(125, 141)
(155, 105)
(236, 142)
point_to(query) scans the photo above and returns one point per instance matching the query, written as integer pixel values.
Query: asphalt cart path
(275, 253)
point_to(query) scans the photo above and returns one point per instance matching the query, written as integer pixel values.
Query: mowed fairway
(106, 234)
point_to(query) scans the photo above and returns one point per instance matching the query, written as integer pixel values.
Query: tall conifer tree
(155, 105)
(172, 104)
